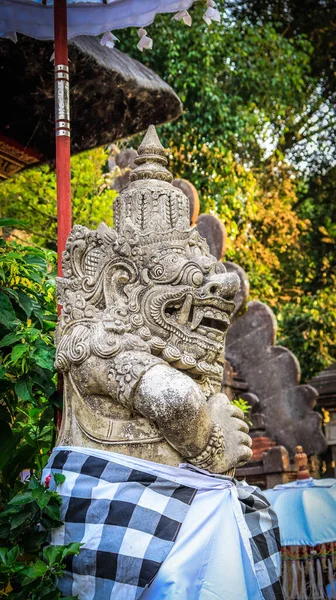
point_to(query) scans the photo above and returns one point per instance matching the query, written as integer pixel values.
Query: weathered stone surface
(213, 230)
(121, 181)
(141, 336)
(190, 191)
(244, 288)
(273, 374)
(276, 460)
(125, 158)
(124, 161)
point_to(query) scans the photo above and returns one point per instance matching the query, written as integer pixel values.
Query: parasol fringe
(312, 582)
(285, 580)
(320, 586)
(295, 582)
(331, 580)
(307, 570)
(303, 588)
(333, 547)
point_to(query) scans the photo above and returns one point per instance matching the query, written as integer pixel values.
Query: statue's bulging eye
(193, 277)
(197, 278)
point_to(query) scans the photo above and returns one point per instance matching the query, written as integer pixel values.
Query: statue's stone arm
(210, 434)
(175, 402)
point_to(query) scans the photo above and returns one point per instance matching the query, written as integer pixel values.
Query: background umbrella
(64, 19)
(306, 513)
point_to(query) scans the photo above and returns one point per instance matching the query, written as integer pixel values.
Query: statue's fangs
(140, 339)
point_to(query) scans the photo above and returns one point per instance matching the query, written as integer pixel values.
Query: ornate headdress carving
(150, 207)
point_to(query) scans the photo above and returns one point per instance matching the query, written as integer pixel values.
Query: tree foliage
(27, 379)
(254, 139)
(31, 195)
(312, 136)
(28, 510)
(29, 570)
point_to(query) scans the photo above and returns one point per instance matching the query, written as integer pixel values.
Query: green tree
(240, 85)
(31, 195)
(257, 112)
(312, 135)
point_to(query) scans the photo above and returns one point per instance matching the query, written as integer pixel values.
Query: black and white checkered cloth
(264, 536)
(128, 520)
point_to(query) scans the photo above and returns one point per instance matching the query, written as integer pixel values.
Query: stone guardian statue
(148, 442)
(141, 337)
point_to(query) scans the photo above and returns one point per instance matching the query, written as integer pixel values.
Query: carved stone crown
(156, 208)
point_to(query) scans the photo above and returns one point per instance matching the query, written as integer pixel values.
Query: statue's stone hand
(237, 442)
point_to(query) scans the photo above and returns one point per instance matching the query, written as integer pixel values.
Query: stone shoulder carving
(127, 370)
(144, 298)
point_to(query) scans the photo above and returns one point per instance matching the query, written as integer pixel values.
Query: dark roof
(112, 95)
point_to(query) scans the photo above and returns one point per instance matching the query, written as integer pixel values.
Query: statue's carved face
(176, 297)
(189, 298)
(173, 295)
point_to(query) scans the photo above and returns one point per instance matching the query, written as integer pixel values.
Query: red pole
(62, 118)
(62, 126)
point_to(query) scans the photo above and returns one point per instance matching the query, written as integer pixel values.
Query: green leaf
(48, 592)
(7, 314)
(59, 478)
(47, 325)
(42, 497)
(53, 512)
(35, 277)
(20, 518)
(34, 571)
(18, 351)
(45, 359)
(2, 372)
(72, 548)
(23, 498)
(25, 302)
(8, 222)
(10, 339)
(53, 554)
(23, 390)
(12, 293)
(3, 555)
(12, 555)
(38, 261)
